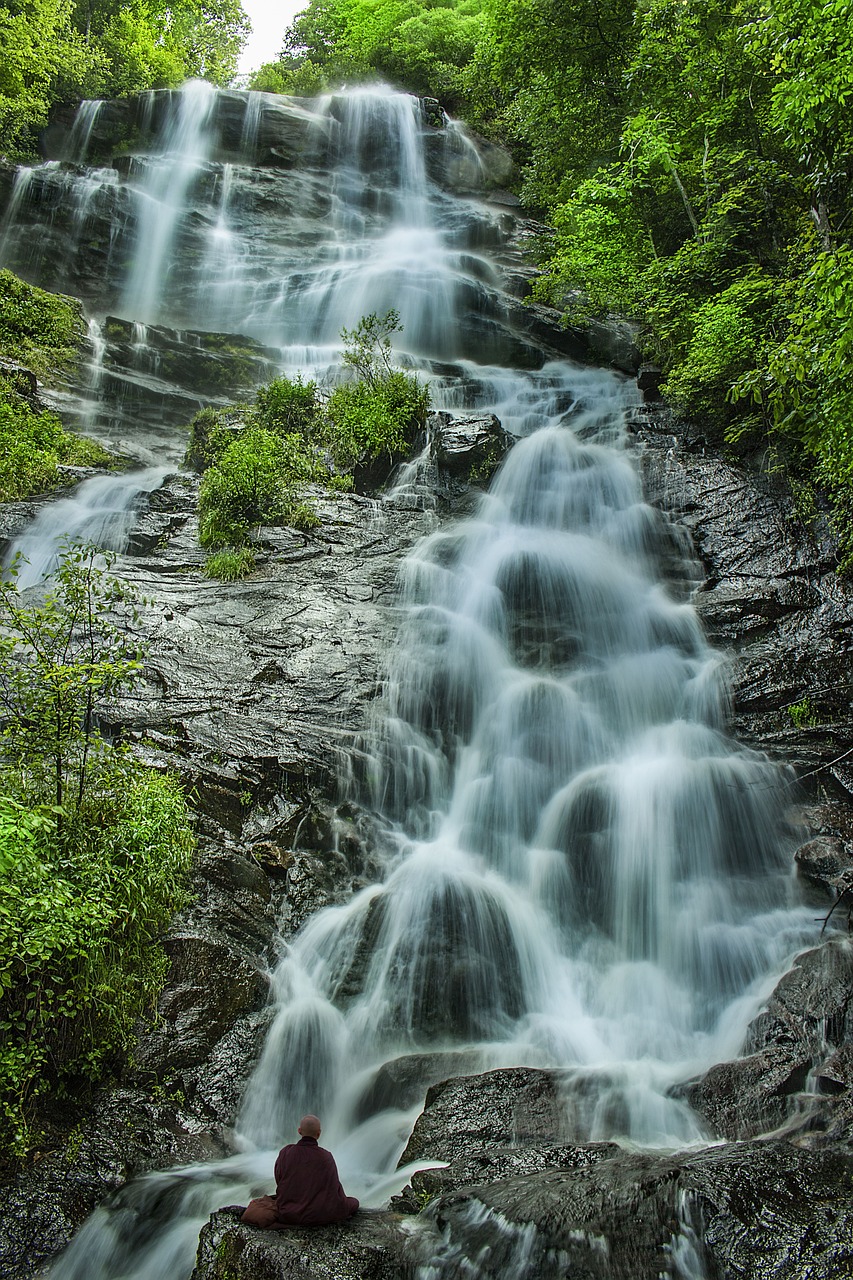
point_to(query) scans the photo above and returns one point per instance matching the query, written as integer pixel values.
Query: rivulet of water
(585, 873)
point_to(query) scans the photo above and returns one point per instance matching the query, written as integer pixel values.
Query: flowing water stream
(586, 872)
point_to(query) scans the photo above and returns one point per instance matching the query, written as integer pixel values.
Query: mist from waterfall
(585, 873)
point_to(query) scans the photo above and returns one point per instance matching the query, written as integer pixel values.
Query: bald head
(309, 1127)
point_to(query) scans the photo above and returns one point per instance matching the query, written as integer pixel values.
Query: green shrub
(289, 406)
(803, 714)
(211, 432)
(33, 444)
(78, 923)
(94, 847)
(42, 332)
(255, 481)
(725, 345)
(256, 467)
(230, 565)
(368, 420)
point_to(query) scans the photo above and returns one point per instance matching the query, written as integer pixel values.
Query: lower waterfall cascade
(583, 871)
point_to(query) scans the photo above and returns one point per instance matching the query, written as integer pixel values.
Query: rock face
(804, 1031)
(253, 706)
(516, 1196)
(752, 1210)
(770, 596)
(469, 447)
(371, 1246)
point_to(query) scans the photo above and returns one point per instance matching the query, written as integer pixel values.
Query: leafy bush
(33, 444)
(61, 658)
(256, 464)
(94, 847)
(728, 334)
(256, 480)
(42, 332)
(210, 433)
(289, 406)
(77, 926)
(369, 419)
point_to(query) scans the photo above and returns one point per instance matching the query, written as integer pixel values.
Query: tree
(58, 50)
(94, 847)
(42, 55)
(62, 657)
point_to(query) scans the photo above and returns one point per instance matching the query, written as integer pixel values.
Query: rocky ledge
(515, 1205)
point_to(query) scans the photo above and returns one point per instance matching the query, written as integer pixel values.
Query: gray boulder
(806, 1030)
(471, 446)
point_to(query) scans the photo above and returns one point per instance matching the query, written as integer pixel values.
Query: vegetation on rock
(257, 464)
(94, 847)
(40, 333)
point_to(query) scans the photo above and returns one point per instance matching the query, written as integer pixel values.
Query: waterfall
(585, 872)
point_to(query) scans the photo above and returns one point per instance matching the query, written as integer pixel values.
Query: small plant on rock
(231, 564)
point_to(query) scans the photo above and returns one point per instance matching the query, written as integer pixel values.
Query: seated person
(308, 1192)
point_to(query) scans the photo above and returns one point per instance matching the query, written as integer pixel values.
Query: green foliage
(256, 467)
(210, 433)
(230, 565)
(727, 334)
(367, 347)
(371, 419)
(44, 54)
(803, 714)
(287, 406)
(40, 330)
(423, 48)
(59, 50)
(33, 444)
(94, 848)
(384, 409)
(79, 915)
(61, 658)
(301, 77)
(244, 487)
(600, 253)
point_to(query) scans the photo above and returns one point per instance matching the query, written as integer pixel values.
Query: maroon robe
(308, 1190)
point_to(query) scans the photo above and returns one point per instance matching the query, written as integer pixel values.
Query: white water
(102, 511)
(586, 873)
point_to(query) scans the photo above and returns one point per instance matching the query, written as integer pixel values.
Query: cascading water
(587, 874)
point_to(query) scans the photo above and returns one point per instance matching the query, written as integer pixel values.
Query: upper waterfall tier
(281, 220)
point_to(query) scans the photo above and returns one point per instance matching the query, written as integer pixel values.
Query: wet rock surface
(751, 1210)
(252, 704)
(755, 1211)
(470, 447)
(501, 1124)
(250, 694)
(795, 1071)
(371, 1246)
(128, 1132)
(771, 598)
